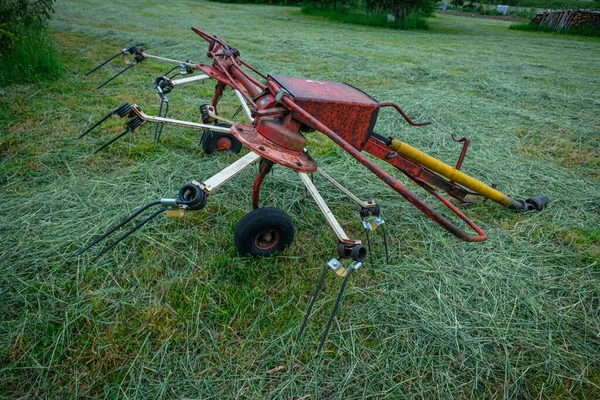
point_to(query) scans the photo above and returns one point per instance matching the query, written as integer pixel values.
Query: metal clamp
(281, 94)
(374, 224)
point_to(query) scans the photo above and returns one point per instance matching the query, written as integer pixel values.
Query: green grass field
(174, 312)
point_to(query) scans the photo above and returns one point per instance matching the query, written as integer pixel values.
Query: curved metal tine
(114, 228)
(385, 245)
(105, 62)
(97, 123)
(129, 66)
(337, 302)
(129, 232)
(237, 112)
(162, 125)
(159, 127)
(369, 247)
(312, 302)
(112, 140)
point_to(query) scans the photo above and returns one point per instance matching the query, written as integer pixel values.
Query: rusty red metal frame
(284, 107)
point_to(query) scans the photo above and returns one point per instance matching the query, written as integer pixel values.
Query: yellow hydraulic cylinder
(451, 173)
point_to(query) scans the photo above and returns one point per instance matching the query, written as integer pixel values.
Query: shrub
(413, 21)
(26, 53)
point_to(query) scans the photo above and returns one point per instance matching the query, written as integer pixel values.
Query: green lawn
(174, 312)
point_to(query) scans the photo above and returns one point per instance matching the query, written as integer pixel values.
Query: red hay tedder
(281, 110)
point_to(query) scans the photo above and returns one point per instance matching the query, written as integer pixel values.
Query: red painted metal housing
(344, 109)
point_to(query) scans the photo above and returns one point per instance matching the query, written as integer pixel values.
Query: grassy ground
(174, 312)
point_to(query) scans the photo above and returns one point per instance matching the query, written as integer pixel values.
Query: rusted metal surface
(297, 161)
(463, 151)
(265, 168)
(404, 115)
(283, 132)
(348, 111)
(384, 176)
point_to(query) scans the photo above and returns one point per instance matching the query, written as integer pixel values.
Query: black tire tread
(256, 220)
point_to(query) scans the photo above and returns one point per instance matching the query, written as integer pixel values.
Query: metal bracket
(281, 94)
(338, 267)
(374, 224)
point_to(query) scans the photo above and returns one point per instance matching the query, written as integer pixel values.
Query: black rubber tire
(264, 231)
(212, 139)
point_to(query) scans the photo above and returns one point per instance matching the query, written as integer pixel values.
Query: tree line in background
(394, 10)
(401, 14)
(26, 53)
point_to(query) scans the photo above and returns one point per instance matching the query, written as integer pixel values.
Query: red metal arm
(308, 119)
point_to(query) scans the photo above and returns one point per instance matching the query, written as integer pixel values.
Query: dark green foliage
(26, 53)
(413, 21)
(32, 58)
(407, 14)
(270, 2)
(17, 17)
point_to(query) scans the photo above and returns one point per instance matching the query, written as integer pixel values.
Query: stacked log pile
(565, 19)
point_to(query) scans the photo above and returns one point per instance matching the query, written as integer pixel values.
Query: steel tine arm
(335, 307)
(114, 228)
(312, 302)
(159, 127)
(105, 62)
(129, 232)
(369, 246)
(128, 67)
(120, 135)
(107, 116)
(385, 245)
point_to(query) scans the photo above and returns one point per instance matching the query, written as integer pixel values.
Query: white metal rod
(179, 82)
(363, 204)
(212, 183)
(176, 122)
(244, 104)
(168, 60)
(333, 223)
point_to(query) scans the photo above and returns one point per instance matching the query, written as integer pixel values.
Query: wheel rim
(266, 239)
(223, 144)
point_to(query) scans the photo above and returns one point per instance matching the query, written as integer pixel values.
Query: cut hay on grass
(175, 312)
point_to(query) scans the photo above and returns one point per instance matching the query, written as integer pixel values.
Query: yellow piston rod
(452, 173)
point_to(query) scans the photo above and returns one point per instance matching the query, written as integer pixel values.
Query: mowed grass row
(174, 312)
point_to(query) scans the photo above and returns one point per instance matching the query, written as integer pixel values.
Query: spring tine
(96, 124)
(105, 62)
(129, 232)
(337, 302)
(237, 112)
(162, 125)
(129, 66)
(369, 246)
(112, 140)
(162, 101)
(387, 257)
(312, 302)
(114, 228)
